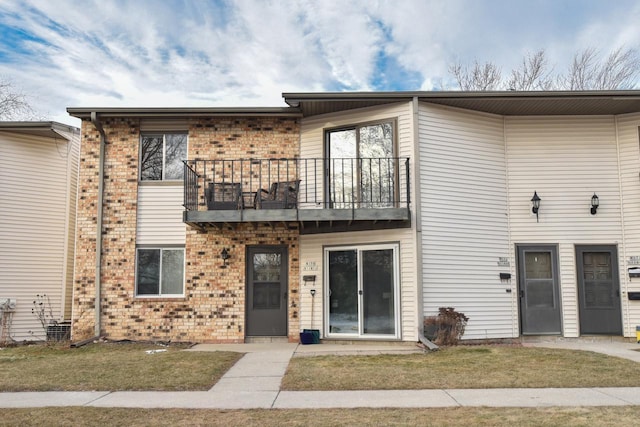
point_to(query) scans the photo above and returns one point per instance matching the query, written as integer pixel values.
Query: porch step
(262, 340)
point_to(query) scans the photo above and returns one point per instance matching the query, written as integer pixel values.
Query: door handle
(521, 293)
(284, 295)
(360, 292)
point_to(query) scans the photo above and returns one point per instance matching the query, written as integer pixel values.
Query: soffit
(502, 103)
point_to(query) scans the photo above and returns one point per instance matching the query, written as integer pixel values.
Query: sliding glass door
(362, 287)
(361, 169)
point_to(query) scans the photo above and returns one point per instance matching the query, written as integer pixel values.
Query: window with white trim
(161, 156)
(160, 272)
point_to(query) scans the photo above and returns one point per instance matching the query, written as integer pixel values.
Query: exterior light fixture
(595, 202)
(225, 255)
(535, 203)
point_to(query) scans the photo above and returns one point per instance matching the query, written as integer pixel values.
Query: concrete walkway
(254, 382)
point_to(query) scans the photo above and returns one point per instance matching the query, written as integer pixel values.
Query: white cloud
(247, 52)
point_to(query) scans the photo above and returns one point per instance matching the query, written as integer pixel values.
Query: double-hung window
(160, 272)
(161, 156)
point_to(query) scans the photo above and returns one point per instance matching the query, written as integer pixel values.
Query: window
(161, 156)
(160, 272)
(362, 168)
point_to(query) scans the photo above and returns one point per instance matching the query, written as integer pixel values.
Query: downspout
(415, 109)
(103, 139)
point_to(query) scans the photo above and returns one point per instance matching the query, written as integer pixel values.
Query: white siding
(37, 205)
(312, 252)
(565, 159)
(160, 215)
(629, 141)
(311, 246)
(464, 219)
(312, 141)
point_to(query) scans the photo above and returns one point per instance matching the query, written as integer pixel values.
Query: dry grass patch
(600, 416)
(463, 367)
(110, 366)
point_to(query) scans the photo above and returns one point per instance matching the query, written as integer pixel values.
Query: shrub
(447, 327)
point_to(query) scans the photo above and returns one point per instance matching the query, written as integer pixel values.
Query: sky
(198, 53)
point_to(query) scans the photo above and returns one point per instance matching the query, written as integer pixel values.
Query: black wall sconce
(595, 202)
(225, 256)
(535, 203)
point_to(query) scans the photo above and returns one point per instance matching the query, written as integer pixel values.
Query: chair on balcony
(281, 195)
(224, 196)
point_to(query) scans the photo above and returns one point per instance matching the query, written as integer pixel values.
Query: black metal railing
(329, 183)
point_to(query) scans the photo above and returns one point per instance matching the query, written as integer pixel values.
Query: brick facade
(213, 308)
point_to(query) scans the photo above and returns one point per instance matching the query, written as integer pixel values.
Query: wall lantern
(535, 203)
(595, 202)
(225, 255)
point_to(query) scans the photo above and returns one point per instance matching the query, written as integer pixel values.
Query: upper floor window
(361, 169)
(161, 156)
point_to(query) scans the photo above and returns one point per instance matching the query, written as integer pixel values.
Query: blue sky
(138, 53)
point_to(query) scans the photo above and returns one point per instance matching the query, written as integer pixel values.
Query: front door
(598, 290)
(363, 291)
(267, 284)
(539, 293)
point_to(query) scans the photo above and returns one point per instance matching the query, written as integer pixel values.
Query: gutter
(103, 140)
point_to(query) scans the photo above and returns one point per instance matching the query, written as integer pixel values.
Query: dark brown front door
(598, 290)
(267, 287)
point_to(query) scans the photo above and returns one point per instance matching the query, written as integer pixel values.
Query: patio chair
(281, 195)
(224, 196)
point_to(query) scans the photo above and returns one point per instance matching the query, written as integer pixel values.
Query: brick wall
(213, 308)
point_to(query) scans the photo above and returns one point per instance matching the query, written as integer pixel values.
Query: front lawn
(463, 367)
(111, 367)
(495, 417)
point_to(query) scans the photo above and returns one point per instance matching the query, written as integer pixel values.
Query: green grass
(111, 367)
(509, 417)
(463, 367)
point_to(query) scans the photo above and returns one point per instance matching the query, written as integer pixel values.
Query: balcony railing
(251, 190)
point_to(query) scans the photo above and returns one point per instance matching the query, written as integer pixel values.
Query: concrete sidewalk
(536, 397)
(254, 382)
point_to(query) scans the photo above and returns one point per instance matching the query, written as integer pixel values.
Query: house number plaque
(503, 261)
(310, 266)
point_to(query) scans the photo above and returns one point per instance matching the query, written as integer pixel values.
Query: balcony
(321, 195)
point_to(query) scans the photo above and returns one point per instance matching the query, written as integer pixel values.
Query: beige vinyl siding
(311, 246)
(160, 215)
(36, 196)
(312, 255)
(628, 127)
(73, 162)
(565, 159)
(312, 142)
(464, 219)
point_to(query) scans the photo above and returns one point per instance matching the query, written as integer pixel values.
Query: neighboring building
(38, 185)
(357, 214)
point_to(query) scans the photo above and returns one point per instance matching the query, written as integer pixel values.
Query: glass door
(361, 170)
(362, 288)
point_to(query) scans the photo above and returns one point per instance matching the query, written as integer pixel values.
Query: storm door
(539, 293)
(362, 289)
(598, 290)
(267, 285)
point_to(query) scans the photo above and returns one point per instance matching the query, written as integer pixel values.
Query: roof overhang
(509, 103)
(40, 129)
(177, 113)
